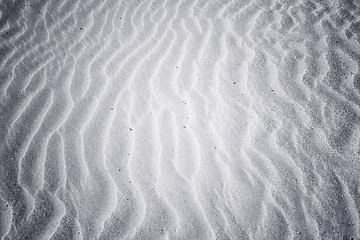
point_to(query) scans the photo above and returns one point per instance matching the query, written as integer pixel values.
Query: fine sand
(180, 119)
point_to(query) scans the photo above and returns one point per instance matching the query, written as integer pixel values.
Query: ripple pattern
(190, 119)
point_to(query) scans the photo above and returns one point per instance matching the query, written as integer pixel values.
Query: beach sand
(183, 119)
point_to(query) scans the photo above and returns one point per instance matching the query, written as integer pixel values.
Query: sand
(180, 119)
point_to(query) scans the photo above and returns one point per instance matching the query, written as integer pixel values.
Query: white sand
(180, 119)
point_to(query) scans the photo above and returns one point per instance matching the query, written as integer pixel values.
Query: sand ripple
(179, 119)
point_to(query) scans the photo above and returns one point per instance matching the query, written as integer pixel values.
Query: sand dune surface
(189, 119)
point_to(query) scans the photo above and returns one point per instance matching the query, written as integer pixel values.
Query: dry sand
(172, 119)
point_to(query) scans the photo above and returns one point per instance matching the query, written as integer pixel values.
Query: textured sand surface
(183, 119)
